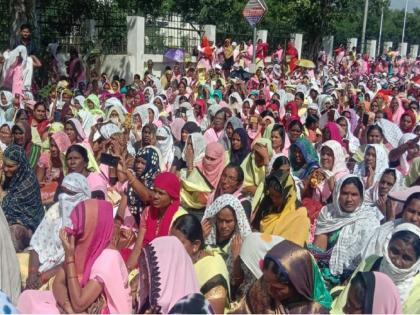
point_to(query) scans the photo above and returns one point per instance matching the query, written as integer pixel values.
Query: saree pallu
(195, 191)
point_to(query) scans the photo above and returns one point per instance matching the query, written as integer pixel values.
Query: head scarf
(143, 113)
(392, 132)
(113, 102)
(212, 169)
(386, 299)
(199, 147)
(238, 156)
(26, 129)
(382, 162)
(354, 143)
(165, 288)
(254, 247)
(88, 120)
(227, 200)
(134, 203)
(335, 133)
(22, 203)
(302, 271)
(108, 130)
(402, 278)
(93, 222)
(236, 123)
(372, 194)
(61, 140)
(404, 164)
(166, 146)
(9, 99)
(96, 110)
(56, 126)
(119, 111)
(413, 118)
(78, 127)
(356, 229)
(254, 175)
(413, 172)
(339, 166)
(176, 128)
(156, 226)
(46, 241)
(309, 155)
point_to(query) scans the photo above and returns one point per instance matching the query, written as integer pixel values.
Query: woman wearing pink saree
(84, 283)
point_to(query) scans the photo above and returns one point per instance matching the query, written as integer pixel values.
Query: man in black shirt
(25, 40)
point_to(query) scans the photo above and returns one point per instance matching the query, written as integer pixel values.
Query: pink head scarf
(213, 163)
(176, 128)
(79, 129)
(386, 299)
(335, 133)
(61, 140)
(171, 273)
(93, 222)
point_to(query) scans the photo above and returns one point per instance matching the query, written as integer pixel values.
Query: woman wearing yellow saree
(277, 214)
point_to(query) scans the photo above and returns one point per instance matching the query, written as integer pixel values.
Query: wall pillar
(297, 39)
(414, 51)
(402, 48)
(262, 34)
(136, 42)
(387, 45)
(328, 44)
(210, 32)
(371, 48)
(351, 42)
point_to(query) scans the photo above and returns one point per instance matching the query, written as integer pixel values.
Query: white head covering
(339, 165)
(108, 130)
(356, 229)
(403, 159)
(143, 113)
(166, 146)
(372, 194)
(402, 278)
(9, 98)
(382, 162)
(242, 226)
(254, 247)
(113, 101)
(80, 99)
(354, 143)
(199, 146)
(392, 132)
(46, 241)
(88, 120)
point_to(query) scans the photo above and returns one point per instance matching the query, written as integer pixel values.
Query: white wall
(122, 65)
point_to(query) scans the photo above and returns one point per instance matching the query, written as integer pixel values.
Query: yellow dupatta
(254, 175)
(195, 191)
(291, 223)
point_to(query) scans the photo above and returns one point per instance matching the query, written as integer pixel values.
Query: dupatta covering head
(81, 135)
(159, 226)
(382, 162)
(413, 172)
(165, 143)
(335, 133)
(92, 228)
(176, 128)
(402, 278)
(238, 156)
(309, 155)
(169, 271)
(96, 110)
(254, 247)
(356, 228)
(151, 156)
(339, 165)
(235, 123)
(46, 241)
(213, 163)
(393, 133)
(227, 200)
(301, 270)
(199, 147)
(254, 175)
(22, 203)
(62, 141)
(386, 299)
